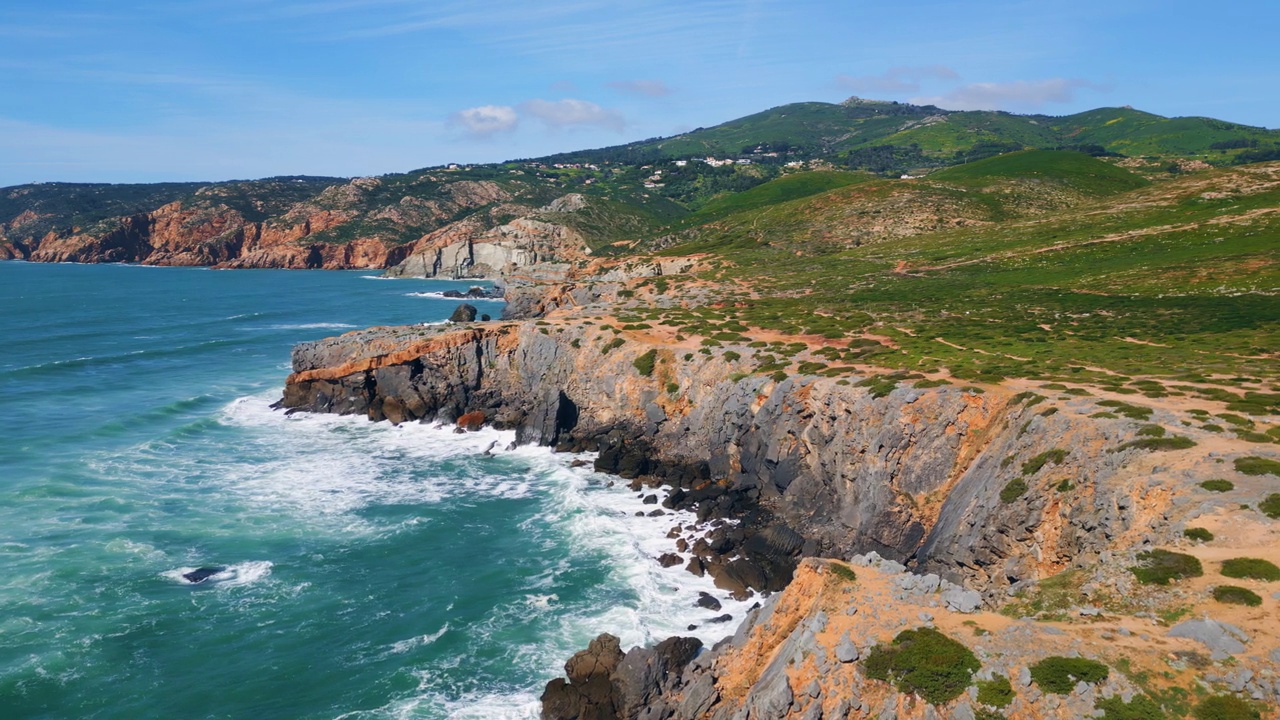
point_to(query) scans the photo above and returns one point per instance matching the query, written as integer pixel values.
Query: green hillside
(1072, 169)
(1163, 289)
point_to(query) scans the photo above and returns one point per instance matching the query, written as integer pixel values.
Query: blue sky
(135, 91)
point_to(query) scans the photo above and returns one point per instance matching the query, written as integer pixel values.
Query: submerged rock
(201, 574)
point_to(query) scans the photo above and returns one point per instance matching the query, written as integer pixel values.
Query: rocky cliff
(829, 467)
(982, 491)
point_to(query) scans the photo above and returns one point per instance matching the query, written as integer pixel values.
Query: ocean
(371, 571)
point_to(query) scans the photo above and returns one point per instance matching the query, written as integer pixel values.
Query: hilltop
(609, 201)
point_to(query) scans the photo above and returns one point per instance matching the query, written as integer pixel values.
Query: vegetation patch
(1015, 489)
(1059, 675)
(996, 692)
(1054, 456)
(1159, 567)
(611, 345)
(1225, 707)
(925, 662)
(1133, 412)
(1218, 485)
(1271, 506)
(1140, 707)
(1197, 533)
(1177, 442)
(1251, 568)
(844, 572)
(1235, 595)
(1257, 466)
(644, 364)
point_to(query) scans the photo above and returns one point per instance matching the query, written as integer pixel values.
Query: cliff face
(822, 466)
(446, 227)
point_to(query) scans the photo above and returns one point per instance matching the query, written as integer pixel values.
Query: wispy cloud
(1016, 95)
(486, 120)
(559, 114)
(650, 88)
(895, 80)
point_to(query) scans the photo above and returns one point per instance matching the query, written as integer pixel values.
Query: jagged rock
(846, 651)
(961, 600)
(706, 600)
(667, 560)
(643, 672)
(463, 313)
(1222, 638)
(771, 697)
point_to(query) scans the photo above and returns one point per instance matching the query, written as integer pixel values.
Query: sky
(157, 90)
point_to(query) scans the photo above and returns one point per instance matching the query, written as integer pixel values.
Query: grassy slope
(1080, 172)
(1047, 296)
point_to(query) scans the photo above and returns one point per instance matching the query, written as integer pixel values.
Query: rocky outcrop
(472, 248)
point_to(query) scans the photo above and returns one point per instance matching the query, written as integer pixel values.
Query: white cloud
(1016, 95)
(487, 120)
(559, 114)
(651, 88)
(897, 80)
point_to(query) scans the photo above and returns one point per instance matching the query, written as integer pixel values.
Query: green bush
(844, 572)
(996, 692)
(1271, 506)
(1257, 466)
(1161, 566)
(1218, 485)
(1177, 442)
(1059, 675)
(614, 343)
(645, 362)
(778, 376)
(924, 662)
(731, 356)
(1235, 595)
(673, 387)
(1197, 533)
(1139, 708)
(1225, 707)
(1251, 568)
(1016, 488)
(1151, 431)
(1055, 456)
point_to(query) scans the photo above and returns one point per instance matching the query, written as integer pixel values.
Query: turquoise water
(372, 571)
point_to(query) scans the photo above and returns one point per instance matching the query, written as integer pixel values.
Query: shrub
(614, 343)
(673, 387)
(1059, 675)
(1197, 533)
(1016, 488)
(1177, 442)
(731, 356)
(1257, 466)
(645, 362)
(1235, 595)
(1161, 566)
(925, 662)
(997, 691)
(1251, 568)
(844, 572)
(778, 376)
(1139, 708)
(1271, 506)
(1218, 485)
(1225, 707)
(1055, 456)
(575, 343)
(1151, 431)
